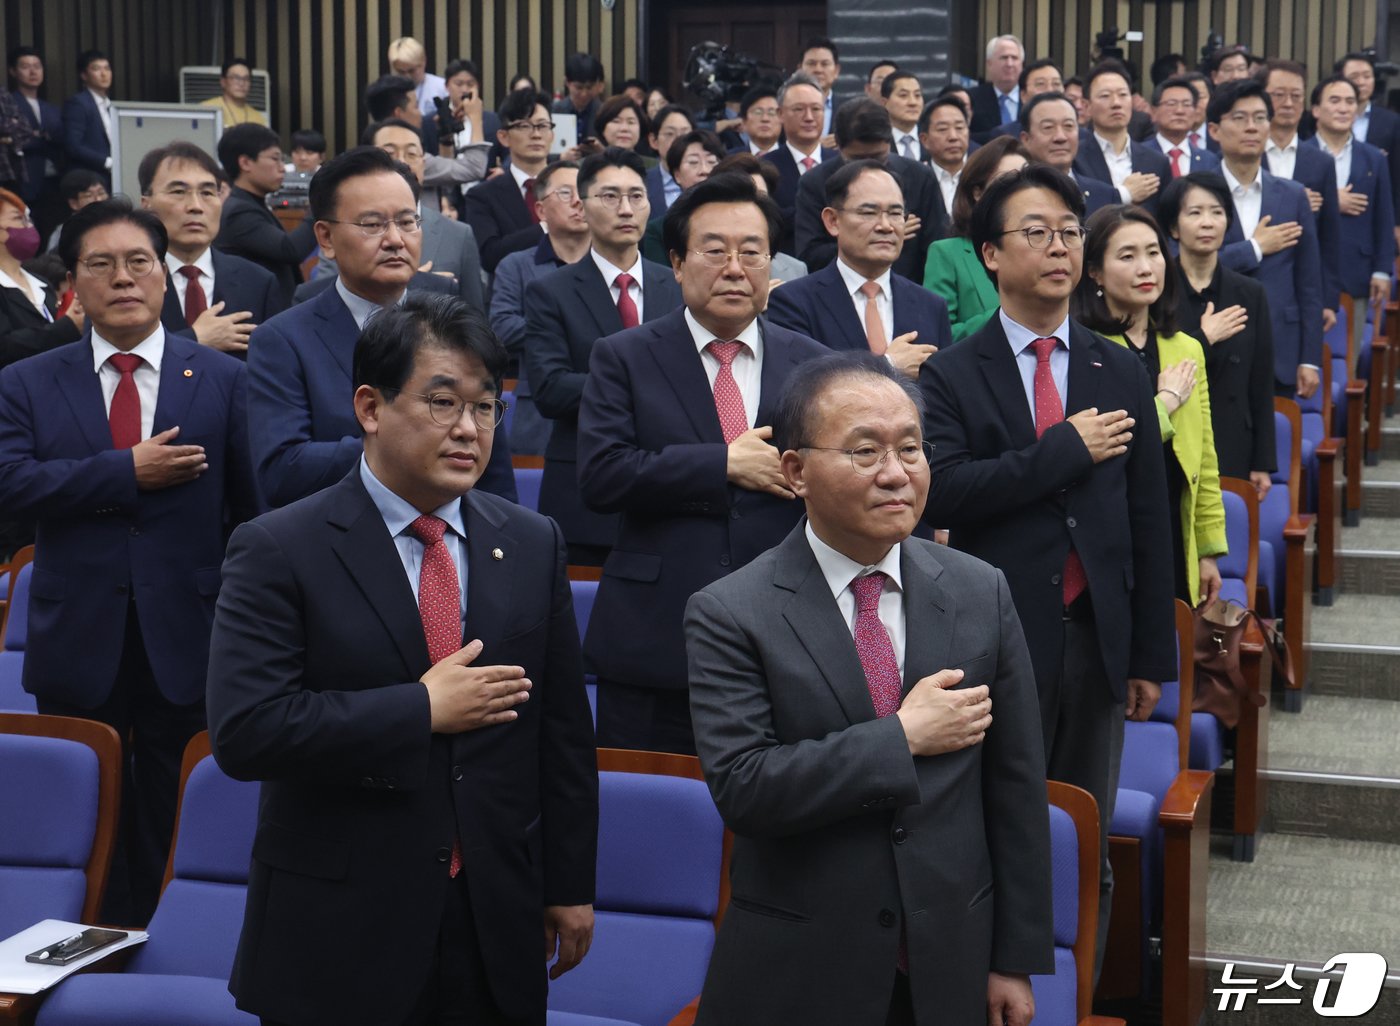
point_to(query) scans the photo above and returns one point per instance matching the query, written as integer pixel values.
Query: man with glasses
(1173, 115)
(1038, 468)
(130, 449)
(865, 712)
(502, 210)
(252, 160)
(800, 109)
(364, 207)
(235, 82)
(566, 312)
(673, 435)
(758, 117)
(856, 302)
(218, 296)
(396, 660)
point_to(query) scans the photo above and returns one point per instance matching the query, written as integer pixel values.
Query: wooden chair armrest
(1185, 819)
(1325, 566)
(1101, 1020)
(686, 1016)
(1182, 804)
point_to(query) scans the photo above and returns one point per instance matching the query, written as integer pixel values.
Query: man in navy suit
(997, 100)
(364, 205)
(1272, 237)
(43, 154)
(1050, 130)
(673, 435)
(566, 312)
(130, 449)
(498, 210)
(1367, 241)
(1173, 111)
(800, 108)
(855, 302)
(87, 117)
(1106, 150)
(372, 657)
(1376, 124)
(220, 297)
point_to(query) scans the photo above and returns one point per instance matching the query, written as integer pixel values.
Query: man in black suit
(863, 133)
(1050, 130)
(501, 210)
(903, 97)
(997, 100)
(1376, 123)
(609, 290)
(43, 154)
(673, 433)
(801, 149)
(219, 297)
(372, 658)
(87, 117)
(1106, 150)
(943, 132)
(252, 159)
(822, 62)
(1037, 470)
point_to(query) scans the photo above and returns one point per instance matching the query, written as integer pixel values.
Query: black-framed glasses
(1039, 236)
(407, 224)
(868, 459)
(446, 409)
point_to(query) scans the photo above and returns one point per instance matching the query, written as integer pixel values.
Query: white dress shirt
(1342, 158)
(747, 367)
(1120, 165)
(798, 157)
(31, 288)
(205, 265)
(521, 177)
(1249, 201)
(1020, 338)
(840, 570)
(1184, 146)
(104, 111)
(1281, 160)
(1362, 125)
(151, 349)
(884, 299)
(399, 514)
(947, 184)
(610, 271)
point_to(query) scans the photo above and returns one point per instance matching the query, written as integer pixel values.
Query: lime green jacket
(1193, 442)
(954, 272)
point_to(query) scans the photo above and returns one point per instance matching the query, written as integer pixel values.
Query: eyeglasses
(566, 193)
(407, 224)
(138, 265)
(1241, 118)
(749, 259)
(811, 108)
(1178, 104)
(407, 153)
(871, 215)
(868, 459)
(1282, 95)
(180, 193)
(764, 112)
(612, 198)
(533, 127)
(708, 160)
(1038, 236)
(446, 409)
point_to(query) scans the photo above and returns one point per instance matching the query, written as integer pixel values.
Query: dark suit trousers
(644, 719)
(154, 733)
(458, 992)
(1083, 732)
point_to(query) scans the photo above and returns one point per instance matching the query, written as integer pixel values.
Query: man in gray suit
(842, 688)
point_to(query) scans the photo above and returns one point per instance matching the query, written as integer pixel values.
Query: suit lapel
(432, 238)
(903, 299)
(1004, 380)
(1085, 370)
(673, 349)
(336, 328)
(78, 385)
(178, 384)
(170, 313)
(925, 604)
(840, 308)
(490, 579)
(596, 296)
(778, 363)
(656, 297)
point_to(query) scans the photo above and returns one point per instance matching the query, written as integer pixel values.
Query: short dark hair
(1227, 94)
(609, 156)
(1109, 66)
(978, 172)
(1175, 82)
(388, 94)
(634, 83)
(308, 139)
(543, 179)
(247, 140)
(362, 160)
(612, 108)
(759, 92)
(886, 63)
(177, 152)
(372, 129)
(822, 43)
(1165, 67)
(1273, 64)
(87, 57)
(1316, 97)
(954, 87)
(522, 76)
(582, 67)
(733, 187)
(234, 62)
(23, 51)
(675, 153)
(745, 163)
(460, 65)
(665, 112)
(988, 217)
(792, 421)
(1354, 55)
(861, 119)
(1088, 304)
(77, 181)
(887, 86)
(1036, 65)
(520, 105)
(1027, 108)
(98, 215)
(1173, 197)
(838, 185)
(387, 348)
(926, 115)
(1225, 53)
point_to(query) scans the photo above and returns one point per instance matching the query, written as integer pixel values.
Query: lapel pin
(497, 554)
(189, 373)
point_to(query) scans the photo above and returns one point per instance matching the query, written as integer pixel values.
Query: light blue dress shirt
(1020, 337)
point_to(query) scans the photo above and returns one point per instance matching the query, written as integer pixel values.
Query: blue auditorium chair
(13, 697)
(584, 592)
(529, 472)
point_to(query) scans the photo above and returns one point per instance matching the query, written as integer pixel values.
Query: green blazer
(955, 272)
(1193, 443)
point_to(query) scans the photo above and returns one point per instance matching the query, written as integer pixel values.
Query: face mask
(23, 243)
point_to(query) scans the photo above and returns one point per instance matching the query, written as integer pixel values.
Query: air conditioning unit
(201, 82)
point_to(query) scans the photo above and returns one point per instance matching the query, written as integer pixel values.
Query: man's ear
(795, 472)
(369, 405)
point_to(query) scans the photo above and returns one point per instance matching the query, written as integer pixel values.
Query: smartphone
(75, 947)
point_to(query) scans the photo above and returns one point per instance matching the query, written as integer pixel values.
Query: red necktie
(807, 164)
(1048, 412)
(531, 204)
(1176, 162)
(440, 609)
(874, 327)
(729, 402)
(125, 412)
(626, 308)
(195, 300)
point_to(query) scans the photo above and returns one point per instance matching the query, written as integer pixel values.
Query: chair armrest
(1297, 607)
(686, 1016)
(1101, 1020)
(1325, 573)
(1185, 819)
(1183, 803)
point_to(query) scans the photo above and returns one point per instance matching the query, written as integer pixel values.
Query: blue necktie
(1008, 109)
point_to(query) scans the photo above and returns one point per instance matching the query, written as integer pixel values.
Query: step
(1380, 490)
(1390, 440)
(1357, 620)
(1355, 671)
(1368, 557)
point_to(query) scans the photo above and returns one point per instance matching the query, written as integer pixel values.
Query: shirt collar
(1167, 145)
(97, 98)
(1346, 146)
(854, 279)
(205, 263)
(750, 336)
(399, 513)
(799, 156)
(1255, 186)
(359, 307)
(1272, 147)
(38, 283)
(945, 175)
(610, 271)
(544, 253)
(840, 569)
(520, 176)
(1019, 336)
(151, 349)
(1107, 147)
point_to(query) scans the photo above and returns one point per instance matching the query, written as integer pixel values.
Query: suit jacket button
(900, 835)
(1054, 578)
(733, 514)
(456, 772)
(887, 917)
(723, 560)
(366, 781)
(443, 854)
(1072, 522)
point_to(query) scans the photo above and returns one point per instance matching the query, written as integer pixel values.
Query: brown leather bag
(1220, 686)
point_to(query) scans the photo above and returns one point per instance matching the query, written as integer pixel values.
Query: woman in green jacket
(1128, 294)
(952, 269)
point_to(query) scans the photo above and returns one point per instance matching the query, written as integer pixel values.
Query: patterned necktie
(195, 300)
(873, 645)
(124, 415)
(1176, 162)
(626, 308)
(440, 609)
(531, 204)
(807, 164)
(1049, 411)
(910, 147)
(729, 402)
(874, 327)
